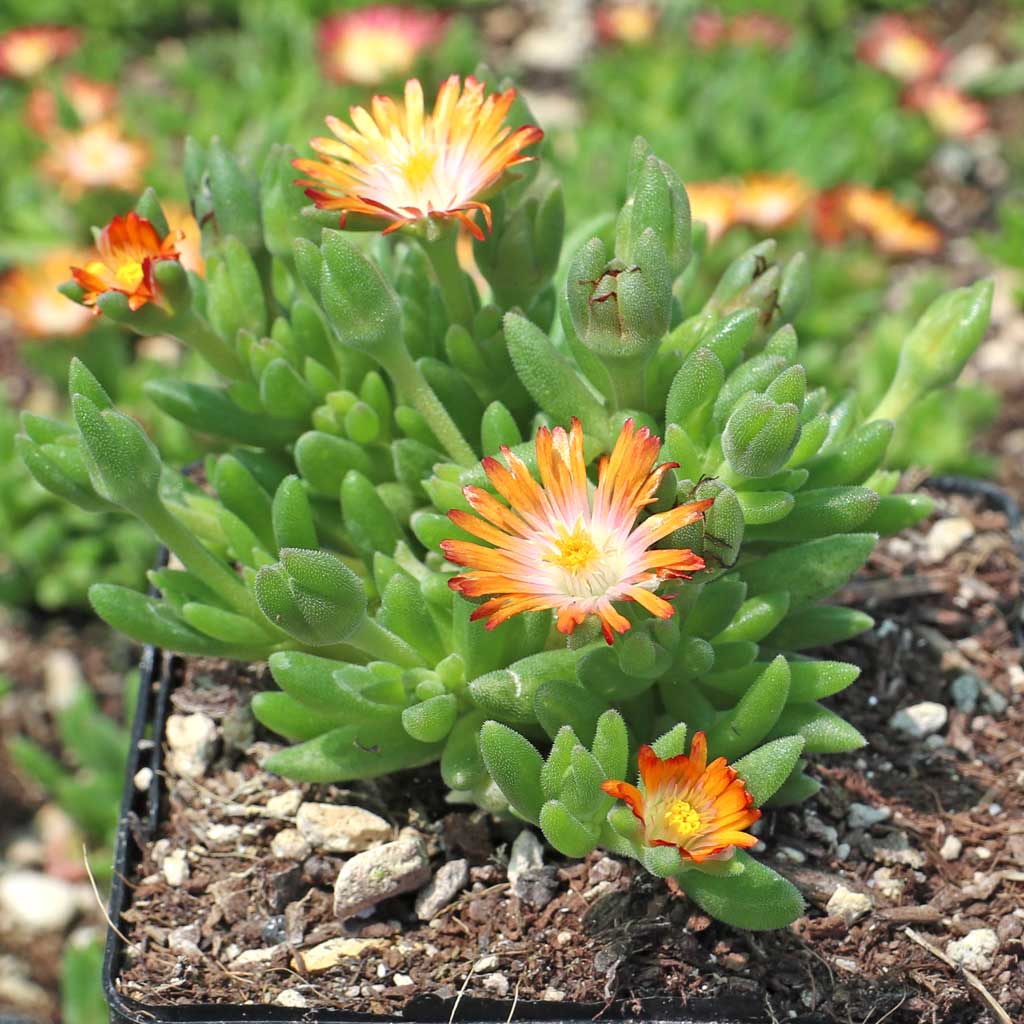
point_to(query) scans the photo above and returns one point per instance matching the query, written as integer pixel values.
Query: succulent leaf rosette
(537, 517)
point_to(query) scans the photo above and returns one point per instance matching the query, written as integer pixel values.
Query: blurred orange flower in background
(91, 101)
(97, 156)
(184, 229)
(892, 227)
(772, 201)
(711, 29)
(714, 203)
(628, 23)
(26, 51)
(894, 45)
(950, 112)
(371, 45)
(123, 262)
(29, 299)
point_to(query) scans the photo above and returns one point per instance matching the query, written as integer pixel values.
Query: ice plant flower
(184, 228)
(711, 29)
(699, 808)
(90, 100)
(375, 43)
(556, 547)
(126, 251)
(950, 112)
(893, 45)
(30, 300)
(892, 227)
(399, 165)
(629, 23)
(26, 51)
(772, 201)
(98, 156)
(714, 203)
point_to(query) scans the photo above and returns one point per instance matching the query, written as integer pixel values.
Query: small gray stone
(848, 905)
(895, 848)
(62, 680)
(192, 740)
(184, 941)
(951, 848)
(284, 805)
(486, 964)
(527, 854)
(379, 874)
(864, 816)
(965, 690)
(447, 883)
(553, 995)
(537, 888)
(34, 903)
(338, 828)
(290, 844)
(994, 702)
(946, 536)
(791, 854)
(607, 869)
(920, 720)
(175, 868)
(291, 997)
(402, 981)
(497, 985)
(975, 951)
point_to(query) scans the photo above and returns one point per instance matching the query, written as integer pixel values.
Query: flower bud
(657, 201)
(311, 595)
(759, 435)
(235, 198)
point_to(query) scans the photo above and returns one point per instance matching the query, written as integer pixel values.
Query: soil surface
(942, 856)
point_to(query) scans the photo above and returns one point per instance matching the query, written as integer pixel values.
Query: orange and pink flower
(894, 45)
(97, 156)
(714, 203)
(398, 165)
(950, 112)
(26, 51)
(30, 300)
(711, 29)
(126, 251)
(554, 546)
(376, 43)
(701, 809)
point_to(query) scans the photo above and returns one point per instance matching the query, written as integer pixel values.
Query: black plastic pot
(140, 816)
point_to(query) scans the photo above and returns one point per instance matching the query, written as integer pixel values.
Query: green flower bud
(760, 435)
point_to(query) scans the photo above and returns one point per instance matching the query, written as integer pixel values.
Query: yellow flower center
(576, 551)
(419, 167)
(130, 275)
(682, 818)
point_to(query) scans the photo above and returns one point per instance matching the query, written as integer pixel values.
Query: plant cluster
(663, 474)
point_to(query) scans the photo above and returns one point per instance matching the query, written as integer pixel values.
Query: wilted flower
(892, 44)
(90, 100)
(891, 226)
(557, 547)
(26, 51)
(710, 29)
(98, 156)
(627, 22)
(401, 165)
(29, 298)
(699, 808)
(772, 201)
(714, 203)
(126, 250)
(376, 43)
(950, 112)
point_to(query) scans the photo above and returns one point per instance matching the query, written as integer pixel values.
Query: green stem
(628, 381)
(416, 390)
(199, 561)
(902, 393)
(455, 284)
(193, 331)
(383, 645)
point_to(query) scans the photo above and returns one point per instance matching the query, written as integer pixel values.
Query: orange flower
(185, 229)
(891, 226)
(699, 808)
(557, 548)
(371, 45)
(710, 29)
(98, 156)
(400, 165)
(893, 45)
(628, 23)
(950, 112)
(772, 201)
(29, 298)
(714, 203)
(90, 100)
(26, 51)
(127, 249)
